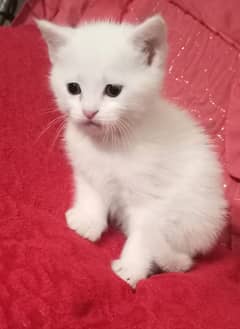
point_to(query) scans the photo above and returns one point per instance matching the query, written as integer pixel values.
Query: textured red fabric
(50, 277)
(224, 21)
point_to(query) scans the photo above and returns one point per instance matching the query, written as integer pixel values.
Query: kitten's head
(106, 76)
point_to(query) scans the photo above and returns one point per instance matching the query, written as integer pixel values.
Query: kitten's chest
(101, 168)
(124, 175)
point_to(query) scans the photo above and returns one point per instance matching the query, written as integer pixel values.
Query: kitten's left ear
(151, 38)
(56, 36)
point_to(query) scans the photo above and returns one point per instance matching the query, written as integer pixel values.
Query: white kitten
(135, 156)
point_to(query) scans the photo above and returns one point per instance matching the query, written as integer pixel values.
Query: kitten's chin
(102, 133)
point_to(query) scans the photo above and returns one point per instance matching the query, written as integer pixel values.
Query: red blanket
(53, 279)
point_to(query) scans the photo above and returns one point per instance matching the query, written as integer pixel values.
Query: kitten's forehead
(100, 45)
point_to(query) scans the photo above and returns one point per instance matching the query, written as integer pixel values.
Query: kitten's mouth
(90, 125)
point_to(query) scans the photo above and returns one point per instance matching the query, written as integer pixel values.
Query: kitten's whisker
(111, 134)
(50, 125)
(116, 134)
(105, 130)
(123, 133)
(53, 110)
(59, 131)
(116, 139)
(125, 129)
(107, 133)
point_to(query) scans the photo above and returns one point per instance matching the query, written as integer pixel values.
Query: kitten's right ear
(56, 36)
(151, 38)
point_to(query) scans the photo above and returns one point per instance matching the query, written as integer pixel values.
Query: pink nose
(89, 114)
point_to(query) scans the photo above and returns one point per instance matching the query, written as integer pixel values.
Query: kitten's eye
(74, 88)
(113, 90)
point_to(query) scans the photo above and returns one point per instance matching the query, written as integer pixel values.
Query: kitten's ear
(56, 36)
(151, 38)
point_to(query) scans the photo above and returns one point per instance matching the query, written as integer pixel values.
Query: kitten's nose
(89, 114)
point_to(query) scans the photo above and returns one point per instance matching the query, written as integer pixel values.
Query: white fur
(149, 165)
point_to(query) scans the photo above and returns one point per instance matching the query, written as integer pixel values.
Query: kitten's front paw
(129, 271)
(88, 224)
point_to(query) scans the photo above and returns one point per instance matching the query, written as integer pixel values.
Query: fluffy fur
(141, 159)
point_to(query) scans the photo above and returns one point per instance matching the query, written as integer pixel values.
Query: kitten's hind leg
(170, 260)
